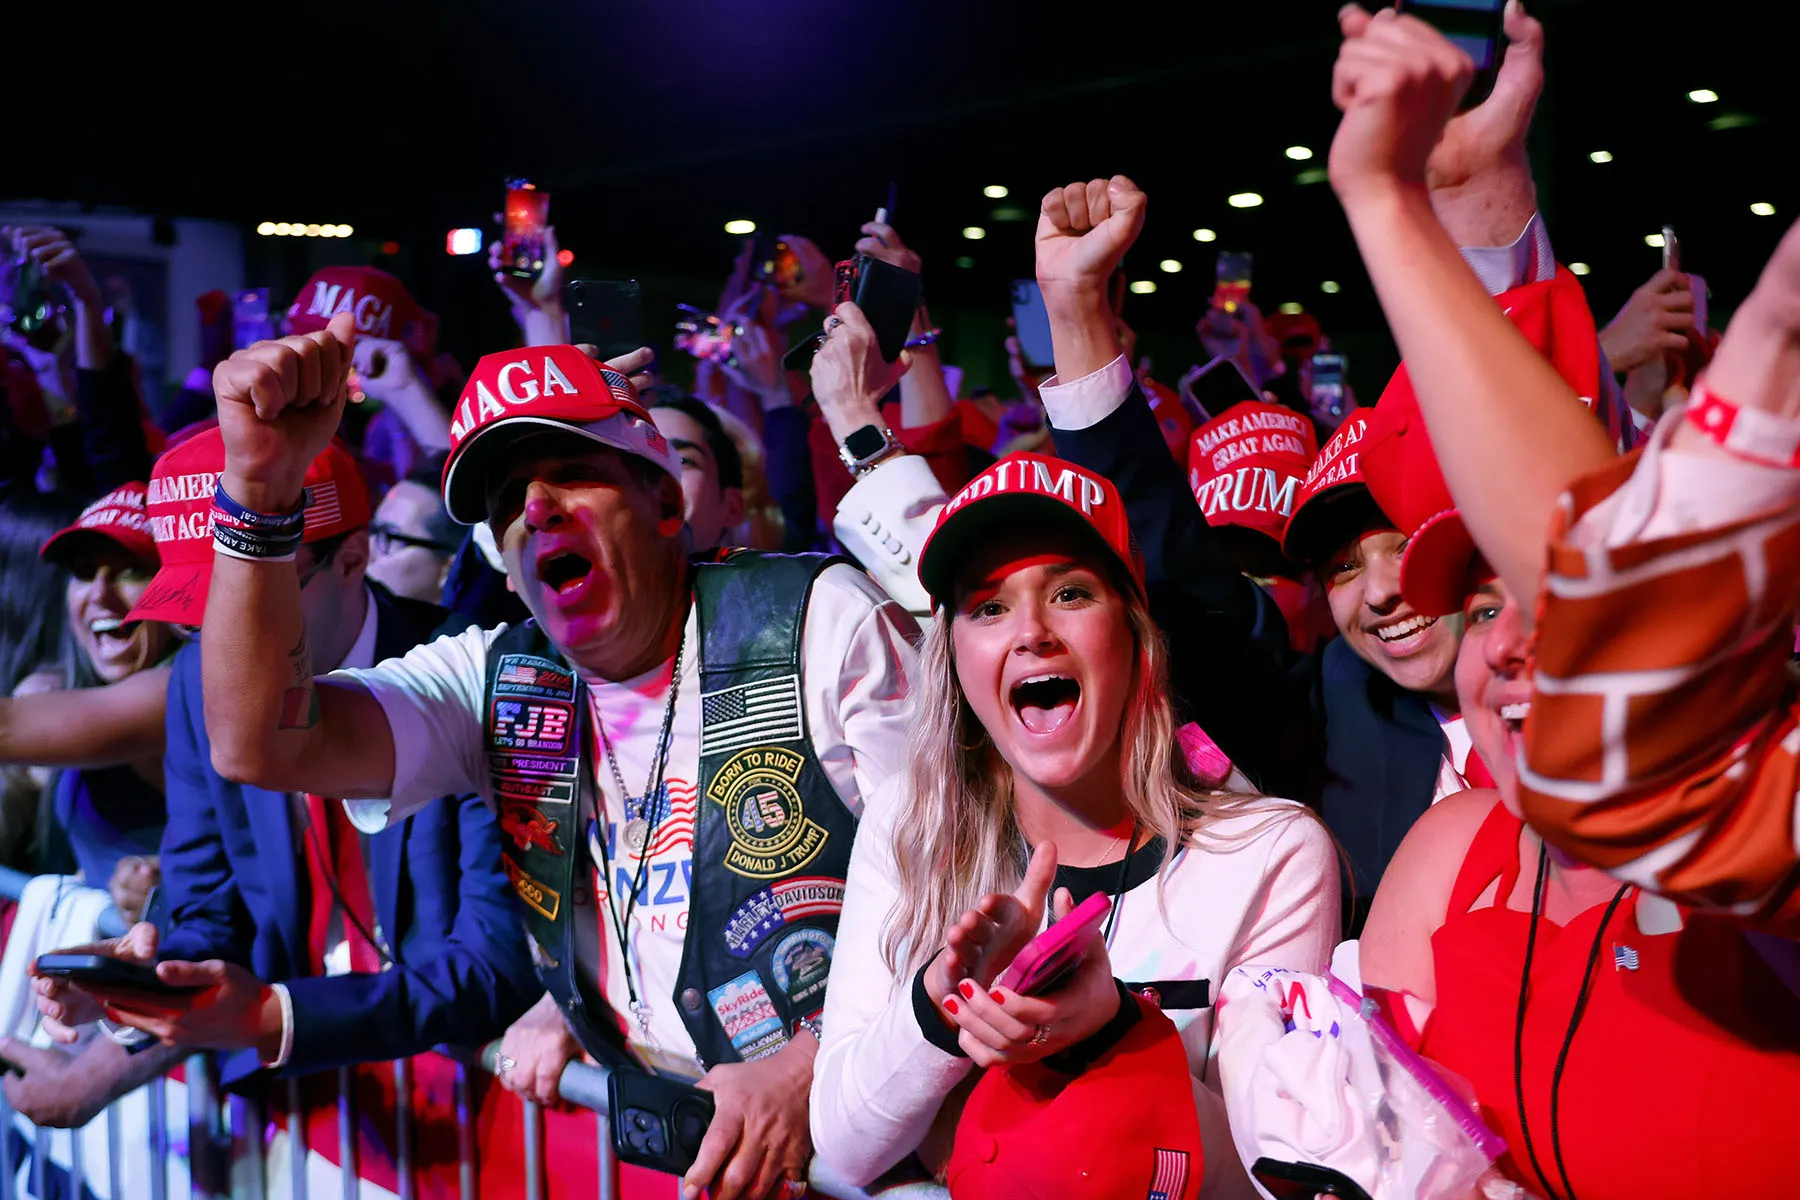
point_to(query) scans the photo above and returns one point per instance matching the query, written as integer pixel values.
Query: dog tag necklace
(648, 817)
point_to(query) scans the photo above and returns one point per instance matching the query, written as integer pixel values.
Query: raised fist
(279, 405)
(1397, 82)
(1083, 232)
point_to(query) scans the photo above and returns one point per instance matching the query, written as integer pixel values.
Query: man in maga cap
(677, 747)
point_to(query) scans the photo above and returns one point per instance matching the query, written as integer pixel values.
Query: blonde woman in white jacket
(1045, 763)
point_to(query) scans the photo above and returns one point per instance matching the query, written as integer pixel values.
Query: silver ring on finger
(504, 1063)
(833, 323)
(794, 1188)
(1041, 1036)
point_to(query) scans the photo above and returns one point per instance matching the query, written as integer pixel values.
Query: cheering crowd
(749, 738)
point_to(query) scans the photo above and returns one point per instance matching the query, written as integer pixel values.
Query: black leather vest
(771, 838)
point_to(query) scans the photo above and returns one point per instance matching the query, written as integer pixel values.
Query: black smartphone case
(608, 313)
(889, 298)
(656, 1122)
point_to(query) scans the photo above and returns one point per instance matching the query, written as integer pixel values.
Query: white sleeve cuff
(1529, 259)
(1085, 402)
(884, 520)
(287, 1027)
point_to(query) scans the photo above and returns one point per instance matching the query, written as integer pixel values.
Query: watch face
(865, 441)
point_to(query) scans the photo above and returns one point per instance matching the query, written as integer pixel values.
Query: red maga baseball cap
(380, 303)
(1124, 1129)
(117, 518)
(1334, 478)
(180, 499)
(1442, 564)
(1245, 466)
(1020, 491)
(522, 391)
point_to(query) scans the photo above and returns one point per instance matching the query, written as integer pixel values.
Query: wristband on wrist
(224, 505)
(926, 338)
(240, 532)
(1752, 434)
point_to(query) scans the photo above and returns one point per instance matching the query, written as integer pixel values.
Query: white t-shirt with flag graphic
(856, 657)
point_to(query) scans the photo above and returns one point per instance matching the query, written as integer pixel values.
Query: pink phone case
(1056, 951)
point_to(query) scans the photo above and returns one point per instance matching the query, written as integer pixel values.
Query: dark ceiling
(652, 123)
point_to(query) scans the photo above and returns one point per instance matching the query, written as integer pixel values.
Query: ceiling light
(312, 231)
(463, 241)
(974, 232)
(345, 231)
(1299, 153)
(1312, 175)
(1330, 287)
(1244, 200)
(1763, 209)
(1205, 235)
(1579, 268)
(1600, 156)
(1653, 240)
(1292, 308)
(1143, 287)
(266, 228)
(1703, 96)
(965, 262)
(995, 191)
(1170, 266)
(740, 226)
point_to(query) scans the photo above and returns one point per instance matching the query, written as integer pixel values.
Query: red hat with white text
(1246, 465)
(180, 501)
(116, 519)
(380, 303)
(1021, 491)
(1333, 482)
(524, 391)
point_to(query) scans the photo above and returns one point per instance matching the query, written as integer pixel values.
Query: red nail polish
(950, 1005)
(996, 997)
(967, 989)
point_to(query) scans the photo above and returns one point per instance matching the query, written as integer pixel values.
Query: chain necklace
(645, 829)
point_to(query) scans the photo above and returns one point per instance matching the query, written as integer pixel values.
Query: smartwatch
(864, 448)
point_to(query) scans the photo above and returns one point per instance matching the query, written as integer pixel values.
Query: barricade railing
(224, 1155)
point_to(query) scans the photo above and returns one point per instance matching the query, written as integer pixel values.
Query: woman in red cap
(1624, 1045)
(1045, 768)
(111, 816)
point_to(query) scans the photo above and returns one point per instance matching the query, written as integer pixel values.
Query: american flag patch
(1171, 1174)
(323, 506)
(1624, 958)
(750, 714)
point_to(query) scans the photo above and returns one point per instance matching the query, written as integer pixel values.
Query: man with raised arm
(674, 745)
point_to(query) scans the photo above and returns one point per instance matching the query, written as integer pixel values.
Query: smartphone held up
(526, 216)
(1477, 28)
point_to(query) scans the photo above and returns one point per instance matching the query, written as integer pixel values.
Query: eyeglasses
(385, 539)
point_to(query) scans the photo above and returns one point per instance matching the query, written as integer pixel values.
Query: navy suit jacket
(236, 889)
(1280, 715)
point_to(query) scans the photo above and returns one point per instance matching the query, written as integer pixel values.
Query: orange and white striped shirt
(1663, 744)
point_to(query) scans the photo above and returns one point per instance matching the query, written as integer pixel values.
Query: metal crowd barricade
(226, 1143)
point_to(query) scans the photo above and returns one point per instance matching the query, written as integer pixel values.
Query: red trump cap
(117, 518)
(180, 501)
(1334, 477)
(541, 387)
(1124, 1128)
(1019, 491)
(1246, 465)
(380, 303)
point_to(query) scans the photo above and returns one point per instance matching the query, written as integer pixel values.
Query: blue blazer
(1282, 716)
(233, 878)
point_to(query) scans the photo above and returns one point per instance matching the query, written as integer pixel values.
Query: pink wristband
(1752, 434)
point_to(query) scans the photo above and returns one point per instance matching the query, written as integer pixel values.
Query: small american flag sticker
(1624, 958)
(1171, 1175)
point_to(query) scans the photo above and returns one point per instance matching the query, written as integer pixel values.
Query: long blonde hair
(957, 837)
